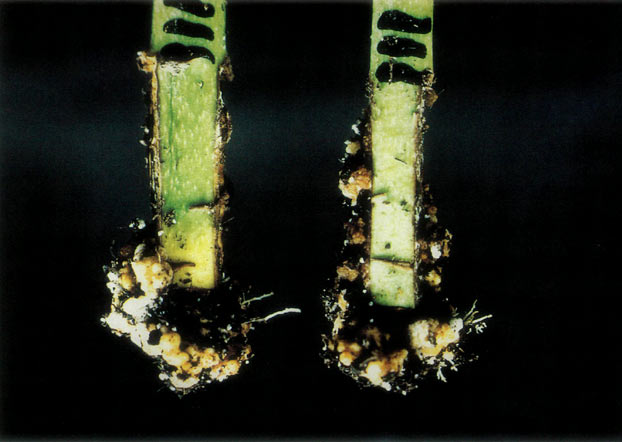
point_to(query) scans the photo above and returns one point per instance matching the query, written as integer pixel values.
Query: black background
(522, 155)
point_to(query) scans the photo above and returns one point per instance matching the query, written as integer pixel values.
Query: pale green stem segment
(187, 122)
(396, 128)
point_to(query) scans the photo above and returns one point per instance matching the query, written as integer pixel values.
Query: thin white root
(280, 312)
(483, 318)
(258, 298)
(476, 323)
(439, 374)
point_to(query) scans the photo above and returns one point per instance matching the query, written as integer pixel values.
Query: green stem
(186, 158)
(401, 60)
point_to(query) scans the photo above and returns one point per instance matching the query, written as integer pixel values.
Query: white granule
(436, 251)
